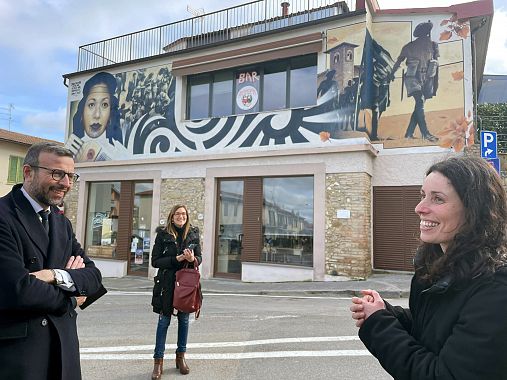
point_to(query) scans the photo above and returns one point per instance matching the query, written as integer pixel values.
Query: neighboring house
(13, 148)
(493, 89)
(285, 129)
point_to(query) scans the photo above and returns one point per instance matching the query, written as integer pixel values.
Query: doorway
(118, 223)
(230, 228)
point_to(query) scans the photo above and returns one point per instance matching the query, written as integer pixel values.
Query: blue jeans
(162, 326)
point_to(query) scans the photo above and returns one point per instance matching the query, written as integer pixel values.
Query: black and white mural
(131, 115)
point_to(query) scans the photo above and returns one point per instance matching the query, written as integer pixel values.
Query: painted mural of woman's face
(97, 110)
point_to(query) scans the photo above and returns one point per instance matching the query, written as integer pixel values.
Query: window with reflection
(303, 75)
(275, 90)
(230, 222)
(288, 221)
(102, 219)
(264, 86)
(199, 94)
(141, 227)
(221, 101)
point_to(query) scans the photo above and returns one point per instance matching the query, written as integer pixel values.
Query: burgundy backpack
(187, 290)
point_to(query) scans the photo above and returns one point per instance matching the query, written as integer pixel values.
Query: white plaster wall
(354, 155)
(111, 268)
(405, 166)
(259, 272)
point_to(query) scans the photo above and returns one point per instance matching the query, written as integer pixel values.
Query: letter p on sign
(488, 144)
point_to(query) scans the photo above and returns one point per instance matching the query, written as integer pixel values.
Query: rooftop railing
(227, 24)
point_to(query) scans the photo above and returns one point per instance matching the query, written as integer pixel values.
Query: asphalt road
(236, 337)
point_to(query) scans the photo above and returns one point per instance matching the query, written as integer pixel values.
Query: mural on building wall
(409, 84)
(105, 119)
(140, 105)
(402, 83)
(340, 81)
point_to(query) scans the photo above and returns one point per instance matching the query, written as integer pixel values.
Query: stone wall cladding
(187, 191)
(70, 204)
(348, 241)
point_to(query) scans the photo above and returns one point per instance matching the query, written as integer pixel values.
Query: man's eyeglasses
(58, 174)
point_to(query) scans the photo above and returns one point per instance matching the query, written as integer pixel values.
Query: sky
(39, 41)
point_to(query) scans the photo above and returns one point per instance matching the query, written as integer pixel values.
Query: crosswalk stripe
(226, 344)
(234, 355)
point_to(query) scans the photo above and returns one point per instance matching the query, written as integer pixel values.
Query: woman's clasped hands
(363, 307)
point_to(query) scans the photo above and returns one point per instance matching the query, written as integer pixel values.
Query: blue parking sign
(495, 162)
(488, 144)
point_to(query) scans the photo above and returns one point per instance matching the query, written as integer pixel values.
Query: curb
(349, 293)
(392, 294)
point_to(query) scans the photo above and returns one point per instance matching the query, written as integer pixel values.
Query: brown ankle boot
(157, 369)
(181, 363)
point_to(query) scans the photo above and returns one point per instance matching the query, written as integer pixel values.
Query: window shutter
(395, 227)
(15, 174)
(125, 221)
(20, 170)
(252, 223)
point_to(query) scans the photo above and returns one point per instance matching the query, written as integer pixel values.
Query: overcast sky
(39, 41)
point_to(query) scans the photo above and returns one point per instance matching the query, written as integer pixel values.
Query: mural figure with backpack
(421, 78)
(176, 249)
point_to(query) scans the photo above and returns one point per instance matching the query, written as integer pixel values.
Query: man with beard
(44, 272)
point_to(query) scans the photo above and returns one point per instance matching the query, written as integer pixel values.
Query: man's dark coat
(37, 320)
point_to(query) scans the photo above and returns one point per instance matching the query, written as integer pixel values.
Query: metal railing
(239, 21)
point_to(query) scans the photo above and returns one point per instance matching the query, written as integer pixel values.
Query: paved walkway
(389, 285)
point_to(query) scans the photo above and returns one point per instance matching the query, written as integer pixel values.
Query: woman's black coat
(163, 257)
(449, 333)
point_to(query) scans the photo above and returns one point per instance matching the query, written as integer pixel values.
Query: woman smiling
(455, 327)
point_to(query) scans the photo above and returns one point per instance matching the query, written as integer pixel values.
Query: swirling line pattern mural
(158, 135)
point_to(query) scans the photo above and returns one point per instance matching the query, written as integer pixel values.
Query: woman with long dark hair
(455, 327)
(176, 245)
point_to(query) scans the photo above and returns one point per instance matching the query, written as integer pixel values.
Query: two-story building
(297, 133)
(13, 148)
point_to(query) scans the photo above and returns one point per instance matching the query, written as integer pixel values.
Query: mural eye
(105, 105)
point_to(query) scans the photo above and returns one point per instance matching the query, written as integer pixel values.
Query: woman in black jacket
(171, 253)
(455, 327)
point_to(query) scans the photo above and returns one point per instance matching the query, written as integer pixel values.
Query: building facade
(13, 148)
(298, 137)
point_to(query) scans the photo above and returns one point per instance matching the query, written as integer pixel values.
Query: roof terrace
(261, 16)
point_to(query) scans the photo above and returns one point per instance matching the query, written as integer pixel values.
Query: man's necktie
(45, 222)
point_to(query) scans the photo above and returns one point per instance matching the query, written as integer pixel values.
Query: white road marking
(246, 343)
(235, 355)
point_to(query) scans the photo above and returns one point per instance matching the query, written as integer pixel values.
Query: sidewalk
(389, 285)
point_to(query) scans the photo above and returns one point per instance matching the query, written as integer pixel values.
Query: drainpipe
(474, 71)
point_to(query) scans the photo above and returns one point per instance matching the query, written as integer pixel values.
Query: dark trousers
(418, 118)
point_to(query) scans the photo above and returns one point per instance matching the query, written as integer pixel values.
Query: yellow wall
(8, 149)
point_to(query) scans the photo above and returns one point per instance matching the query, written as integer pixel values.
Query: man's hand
(45, 275)
(75, 262)
(80, 300)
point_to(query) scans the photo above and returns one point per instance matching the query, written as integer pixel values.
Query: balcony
(249, 19)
